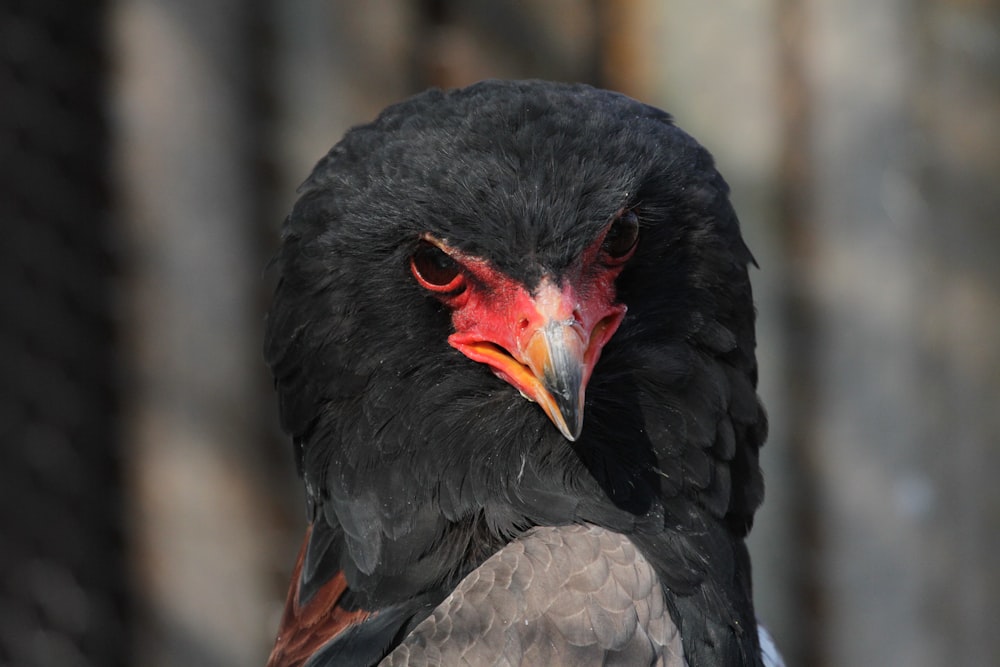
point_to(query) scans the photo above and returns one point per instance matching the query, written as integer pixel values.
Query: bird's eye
(622, 236)
(434, 269)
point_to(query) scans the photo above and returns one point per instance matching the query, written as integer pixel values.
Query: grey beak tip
(574, 425)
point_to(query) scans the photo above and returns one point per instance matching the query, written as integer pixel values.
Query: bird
(513, 346)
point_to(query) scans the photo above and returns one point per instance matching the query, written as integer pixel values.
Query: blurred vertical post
(957, 109)
(794, 328)
(873, 491)
(184, 159)
(903, 274)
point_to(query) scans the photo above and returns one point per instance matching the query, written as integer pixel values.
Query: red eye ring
(435, 270)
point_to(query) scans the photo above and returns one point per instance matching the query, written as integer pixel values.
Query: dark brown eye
(434, 269)
(622, 236)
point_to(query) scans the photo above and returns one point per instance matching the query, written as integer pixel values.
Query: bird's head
(473, 248)
(544, 338)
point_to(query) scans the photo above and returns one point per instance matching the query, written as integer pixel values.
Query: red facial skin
(545, 343)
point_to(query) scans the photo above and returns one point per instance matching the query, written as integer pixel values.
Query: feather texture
(422, 464)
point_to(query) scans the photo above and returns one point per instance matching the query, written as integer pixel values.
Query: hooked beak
(547, 350)
(555, 355)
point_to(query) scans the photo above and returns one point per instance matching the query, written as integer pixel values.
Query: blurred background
(149, 511)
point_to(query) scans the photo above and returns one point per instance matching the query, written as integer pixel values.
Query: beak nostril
(577, 315)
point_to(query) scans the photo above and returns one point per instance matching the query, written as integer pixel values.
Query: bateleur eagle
(513, 346)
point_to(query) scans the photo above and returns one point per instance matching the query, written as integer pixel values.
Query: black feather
(425, 462)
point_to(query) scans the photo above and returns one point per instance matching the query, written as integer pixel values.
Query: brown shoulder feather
(305, 627)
